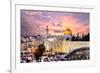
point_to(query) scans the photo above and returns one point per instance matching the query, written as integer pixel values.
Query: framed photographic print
(46, 37)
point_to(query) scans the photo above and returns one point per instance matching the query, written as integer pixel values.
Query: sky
(34, 22)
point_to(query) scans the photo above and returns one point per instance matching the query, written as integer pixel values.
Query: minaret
(46, 38)
(46, 31)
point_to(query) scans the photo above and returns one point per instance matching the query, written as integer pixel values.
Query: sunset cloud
(35, 22)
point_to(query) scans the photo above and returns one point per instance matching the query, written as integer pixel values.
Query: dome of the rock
(67, 32)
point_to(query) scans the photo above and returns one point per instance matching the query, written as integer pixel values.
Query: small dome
(67, 32)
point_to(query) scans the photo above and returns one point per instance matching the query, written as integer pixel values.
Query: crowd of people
(27, 57)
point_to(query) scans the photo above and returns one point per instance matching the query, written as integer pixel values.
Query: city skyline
(34, 22)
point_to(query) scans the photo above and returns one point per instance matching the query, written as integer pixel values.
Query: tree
(73, 38)
(86, 37)
(39, 52)
(83, 38)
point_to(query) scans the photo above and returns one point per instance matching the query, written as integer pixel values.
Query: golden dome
(67, 32)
